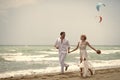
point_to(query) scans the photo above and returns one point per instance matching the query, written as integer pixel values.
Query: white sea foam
(110, 51)
(105, 51)
(108, 63)
(48, 52)
(11, 54)
(89, 51)
(29, 72)
(29, 58)
(73, 67)
(37, 71)
(12, 50)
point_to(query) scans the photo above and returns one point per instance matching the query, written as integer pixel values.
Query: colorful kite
(100, 19)
(99, 5)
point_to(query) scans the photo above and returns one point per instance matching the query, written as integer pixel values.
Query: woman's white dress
(84, 64)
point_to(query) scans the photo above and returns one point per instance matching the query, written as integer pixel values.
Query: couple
(64, 47)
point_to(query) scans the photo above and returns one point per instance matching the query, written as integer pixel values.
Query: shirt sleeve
(56, 43)
(68, 44)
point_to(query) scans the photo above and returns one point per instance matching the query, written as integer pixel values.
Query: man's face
(63, 35)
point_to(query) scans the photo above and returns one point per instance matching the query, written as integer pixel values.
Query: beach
(102, 74)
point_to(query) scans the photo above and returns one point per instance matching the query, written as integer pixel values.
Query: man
(63, 47)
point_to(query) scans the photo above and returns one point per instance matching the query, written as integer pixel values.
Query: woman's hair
(84, 37)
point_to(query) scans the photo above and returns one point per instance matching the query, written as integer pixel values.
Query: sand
(103, 74)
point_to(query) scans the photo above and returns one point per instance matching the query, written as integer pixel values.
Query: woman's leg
(81, 72)
(90, 71)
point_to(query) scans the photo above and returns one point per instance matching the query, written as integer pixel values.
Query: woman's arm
(68, 47)
(75, 48)
(91, 47)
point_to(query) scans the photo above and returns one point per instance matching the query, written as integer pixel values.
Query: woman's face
(82, 38)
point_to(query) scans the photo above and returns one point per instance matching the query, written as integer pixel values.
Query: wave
(30, 58)
(2, 59)
(12, 50)
(11, 54)
(29, 72)
(105, 51)
(110, 51)
(46, 56)
(48, 52)
(52, 49)
(102, 63)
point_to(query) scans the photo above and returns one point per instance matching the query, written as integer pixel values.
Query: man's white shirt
(63, 46)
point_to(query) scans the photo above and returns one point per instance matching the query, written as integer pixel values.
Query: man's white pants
(61, 60)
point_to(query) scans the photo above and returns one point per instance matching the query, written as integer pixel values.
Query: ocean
(27, 60)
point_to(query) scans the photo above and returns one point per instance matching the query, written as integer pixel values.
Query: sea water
(27, 60)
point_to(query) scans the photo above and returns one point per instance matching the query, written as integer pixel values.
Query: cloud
(5, 5)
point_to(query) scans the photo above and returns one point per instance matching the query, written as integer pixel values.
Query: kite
(100, 17)
(99, 5)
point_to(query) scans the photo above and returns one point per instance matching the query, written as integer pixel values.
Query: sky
(39, 22)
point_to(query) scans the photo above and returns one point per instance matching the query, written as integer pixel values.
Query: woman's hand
(98, 51)
(69, 51)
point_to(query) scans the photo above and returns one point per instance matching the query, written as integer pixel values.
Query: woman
(85, 66)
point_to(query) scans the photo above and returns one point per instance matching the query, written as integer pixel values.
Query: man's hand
(57, 47)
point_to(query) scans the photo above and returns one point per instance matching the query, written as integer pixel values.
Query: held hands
(69, 51)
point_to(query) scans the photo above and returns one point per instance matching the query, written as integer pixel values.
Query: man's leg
(61, 62)
(65, 65)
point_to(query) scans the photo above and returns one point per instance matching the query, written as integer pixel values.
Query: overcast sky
(39, 22)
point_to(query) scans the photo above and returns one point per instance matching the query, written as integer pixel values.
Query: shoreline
(112, 73)
(72, 68)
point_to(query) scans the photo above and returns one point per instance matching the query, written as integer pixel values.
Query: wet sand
(103, 74)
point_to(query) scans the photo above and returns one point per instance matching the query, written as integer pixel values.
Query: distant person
(85, 66)
(63, 47)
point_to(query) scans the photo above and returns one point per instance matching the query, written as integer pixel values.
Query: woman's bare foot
(91, 71)
(81, 72)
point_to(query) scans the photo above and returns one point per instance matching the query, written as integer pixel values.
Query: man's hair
(61, 33)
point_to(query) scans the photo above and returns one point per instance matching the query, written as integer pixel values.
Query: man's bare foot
(66, 68)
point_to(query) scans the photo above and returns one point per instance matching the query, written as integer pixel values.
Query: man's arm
(56, 44)
(56, 47)
(68, 49)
